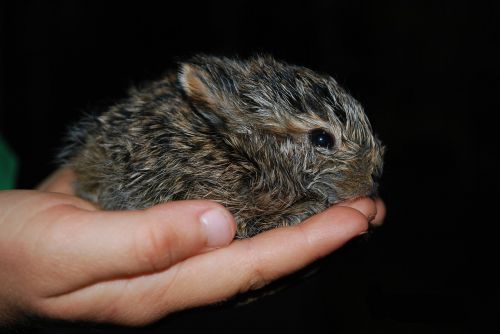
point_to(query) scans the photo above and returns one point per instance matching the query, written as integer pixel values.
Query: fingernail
(218, 227)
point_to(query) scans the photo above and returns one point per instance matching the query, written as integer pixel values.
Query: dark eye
(321, 138)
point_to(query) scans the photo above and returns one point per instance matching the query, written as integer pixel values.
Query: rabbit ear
(195, 82)
(209, 88)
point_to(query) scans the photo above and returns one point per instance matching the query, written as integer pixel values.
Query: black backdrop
(427, 74)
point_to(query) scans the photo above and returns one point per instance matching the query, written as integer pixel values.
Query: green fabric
(8, 166)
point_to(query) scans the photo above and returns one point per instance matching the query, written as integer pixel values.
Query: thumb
(111, 244)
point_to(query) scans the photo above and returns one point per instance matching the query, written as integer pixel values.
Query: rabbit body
(272, 142)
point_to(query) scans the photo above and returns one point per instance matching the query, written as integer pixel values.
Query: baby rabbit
(272, 142)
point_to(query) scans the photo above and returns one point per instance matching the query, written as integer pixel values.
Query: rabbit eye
(321, 138)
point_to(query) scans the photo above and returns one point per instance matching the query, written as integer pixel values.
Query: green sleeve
(8, 166)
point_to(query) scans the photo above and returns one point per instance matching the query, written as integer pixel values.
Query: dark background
(427, 74)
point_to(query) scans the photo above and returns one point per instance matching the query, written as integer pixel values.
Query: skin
(62, 257)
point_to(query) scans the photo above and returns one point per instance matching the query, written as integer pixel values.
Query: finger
(364, 205)
(244, 265)
(103, 245)
(381, 212)
(60, 181)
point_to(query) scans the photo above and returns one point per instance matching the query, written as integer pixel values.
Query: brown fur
(237, 132)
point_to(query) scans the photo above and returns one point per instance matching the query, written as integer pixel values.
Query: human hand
(61, 257)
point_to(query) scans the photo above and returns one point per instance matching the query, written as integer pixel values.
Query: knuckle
(154, 246)
(255, 272)
(307, 243)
